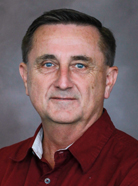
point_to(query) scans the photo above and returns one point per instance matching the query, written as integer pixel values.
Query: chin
(64, 118)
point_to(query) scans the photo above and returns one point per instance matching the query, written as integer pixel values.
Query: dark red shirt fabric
(103, 156)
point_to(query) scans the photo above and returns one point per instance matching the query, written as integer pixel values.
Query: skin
(67, 82)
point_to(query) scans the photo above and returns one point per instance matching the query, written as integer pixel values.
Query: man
(68, 71)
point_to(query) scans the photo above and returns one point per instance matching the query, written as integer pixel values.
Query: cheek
(87, 90)
(93, 88)
(35, 86)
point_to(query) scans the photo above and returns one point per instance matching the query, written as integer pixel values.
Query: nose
(63, 80)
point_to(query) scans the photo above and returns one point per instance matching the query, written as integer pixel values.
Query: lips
(63, 98)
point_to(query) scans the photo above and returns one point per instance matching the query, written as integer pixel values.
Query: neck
(59, 136)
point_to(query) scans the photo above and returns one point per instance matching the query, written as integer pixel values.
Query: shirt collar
(34, 144)
(19, 151)
(37, 145)
(87, 148)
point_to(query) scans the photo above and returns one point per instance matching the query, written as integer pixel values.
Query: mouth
(63, 98)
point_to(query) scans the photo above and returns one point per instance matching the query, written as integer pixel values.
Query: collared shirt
(37, 145)
(102, 156)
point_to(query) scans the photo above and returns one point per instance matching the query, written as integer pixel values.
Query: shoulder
(124, 140)
(15, 149)
(121, 157)
(18, 150)
(11, 155)
(123, 148)
(127, 151)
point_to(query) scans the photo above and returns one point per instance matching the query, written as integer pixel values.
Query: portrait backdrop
(18, 118)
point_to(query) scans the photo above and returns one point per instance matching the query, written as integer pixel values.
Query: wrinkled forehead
(86, 32)
(66, 39)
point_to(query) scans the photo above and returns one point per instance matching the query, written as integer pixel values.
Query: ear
(111, 77)
(23, 73)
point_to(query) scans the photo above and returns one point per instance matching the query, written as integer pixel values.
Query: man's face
(66, 78)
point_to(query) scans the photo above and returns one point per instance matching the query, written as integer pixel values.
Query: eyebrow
(81, 58)
(45, 57)
(53, 57)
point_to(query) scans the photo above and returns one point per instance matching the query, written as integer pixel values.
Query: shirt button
(47, 180)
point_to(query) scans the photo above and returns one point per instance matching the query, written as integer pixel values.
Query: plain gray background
(18, 119)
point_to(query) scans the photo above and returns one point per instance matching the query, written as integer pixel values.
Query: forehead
(56, 27)
(87, 33)
(68, 39)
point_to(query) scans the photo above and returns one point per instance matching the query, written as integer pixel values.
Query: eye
(48, 64)
(79, 65)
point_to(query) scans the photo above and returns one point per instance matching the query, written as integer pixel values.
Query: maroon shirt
(103, 156)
